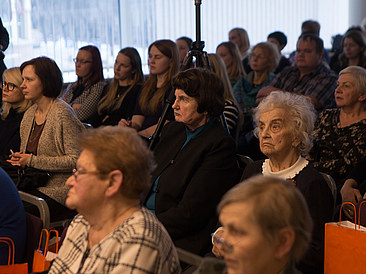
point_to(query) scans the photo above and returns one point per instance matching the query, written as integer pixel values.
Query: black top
(9, 132)
(152, 119)
(125, 111)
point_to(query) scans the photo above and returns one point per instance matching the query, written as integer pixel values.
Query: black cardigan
(192, 182)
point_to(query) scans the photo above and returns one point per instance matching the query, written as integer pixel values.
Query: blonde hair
(109, 102)
(150, 98)
(219, 68)
(244, 39)
(277, 204)
(272, 54)
(14, 76)
(236, 70)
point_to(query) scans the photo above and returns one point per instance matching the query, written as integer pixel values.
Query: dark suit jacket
(192, 182)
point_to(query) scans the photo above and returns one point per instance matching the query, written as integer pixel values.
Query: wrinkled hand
(350, 193)
(218, 248)
(19, 159)
(125, 123)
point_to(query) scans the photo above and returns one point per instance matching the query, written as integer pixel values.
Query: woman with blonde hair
(122, 93)
(232, 112)
(229, 53)
(12, 111)
(239, 36)
(164, 64)
(264, 59)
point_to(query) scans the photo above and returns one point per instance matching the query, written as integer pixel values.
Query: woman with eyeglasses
(264, 59)
(85, 93)
(266, 227)
(48, 133)
(12, 111)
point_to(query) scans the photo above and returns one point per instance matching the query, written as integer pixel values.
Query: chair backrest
(332, 185)
(189, 257)
(34, 228)
(244, 160)
(41, 204)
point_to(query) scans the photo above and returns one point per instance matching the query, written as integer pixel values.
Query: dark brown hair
(49, 73)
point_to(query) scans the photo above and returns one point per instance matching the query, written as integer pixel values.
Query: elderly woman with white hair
(285, 122)
(255, 238)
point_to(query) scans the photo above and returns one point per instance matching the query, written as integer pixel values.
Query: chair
(41, 204)
(332, 185)
(244, 160)
(189, 259)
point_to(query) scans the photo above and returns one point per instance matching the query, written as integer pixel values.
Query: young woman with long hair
(164, 64)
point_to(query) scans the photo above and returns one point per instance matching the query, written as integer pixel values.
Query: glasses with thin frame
(227, 247)
(82, 62)
(8, 85)
(76, 173)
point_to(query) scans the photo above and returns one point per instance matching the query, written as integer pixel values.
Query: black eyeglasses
(9, 86)
(76, 173)
(82, 62)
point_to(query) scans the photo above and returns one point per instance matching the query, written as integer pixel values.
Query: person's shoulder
(143, 225)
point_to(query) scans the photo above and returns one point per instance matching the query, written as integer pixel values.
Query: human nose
(22, 84)
(265, 132)
(70, 181)
(175, 105)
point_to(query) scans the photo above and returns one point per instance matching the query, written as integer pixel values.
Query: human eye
(276, 127)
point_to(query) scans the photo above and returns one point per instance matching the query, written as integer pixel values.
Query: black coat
(192, 182)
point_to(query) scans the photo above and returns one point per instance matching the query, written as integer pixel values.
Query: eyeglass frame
(228, 247)
(3, 84)
(76, 173)
(82, 62)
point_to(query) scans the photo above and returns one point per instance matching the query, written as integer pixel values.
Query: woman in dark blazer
(196, 162)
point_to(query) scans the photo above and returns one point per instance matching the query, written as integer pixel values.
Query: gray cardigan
(57, 149)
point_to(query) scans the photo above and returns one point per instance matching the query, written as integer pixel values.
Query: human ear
(115, 179)
(362, 98)
(285, 241)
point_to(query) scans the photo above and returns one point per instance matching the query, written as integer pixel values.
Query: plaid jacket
(138, 245)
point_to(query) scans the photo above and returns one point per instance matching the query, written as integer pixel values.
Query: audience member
(311, 27)
(240, 37)
(84, 94)
(232, 112)
(164, 64)
(354, 52)
(48, 132)
(122, 93)
(112, 233)
(280, 40)
(12, 111)
(309, 76)
(194, 155)
(12, 219)
(229, 53)
(255, 237)
(264, 59)
(4, 43)
(285, 124)
(340, 133)
(184, 44)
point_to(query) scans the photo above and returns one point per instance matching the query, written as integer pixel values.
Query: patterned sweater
(138, 245)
